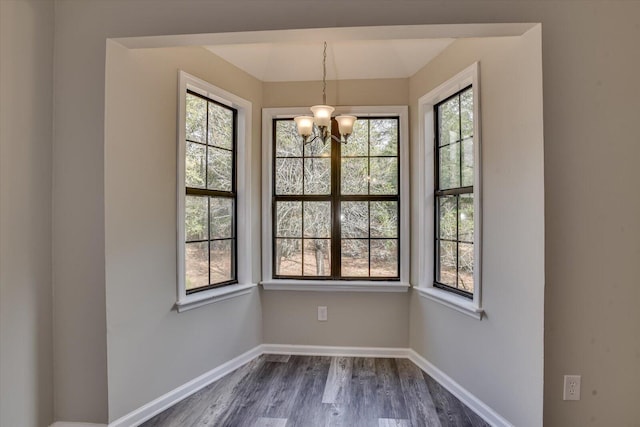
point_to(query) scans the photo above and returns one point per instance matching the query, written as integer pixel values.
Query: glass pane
(317, 176)
(219, 169)
(288, 176)
(466, 218)
(384, 137)
(450, 166)
(384, 175)
(317, 219)
(355, 219)
(448, 259)
(196, 265)
(447, 212)
(317, 254)
(355, 258)
(221, 261)
(289, 219)
(288, 257)
(220, 126)
(221, 218)
(384, 258)
(288, 142)
(465, 274)
(467, 163)
(357, 144)
(449, 121)
(354, 176)
(384, 219)
(194, 165)
(317, 148)
(196, 118)
(195, 218)
(466, 113)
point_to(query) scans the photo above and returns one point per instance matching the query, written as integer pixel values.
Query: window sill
(333, 286)
(213, 295)
(456, 302)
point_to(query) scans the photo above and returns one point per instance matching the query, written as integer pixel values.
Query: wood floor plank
(270, 422)
(308, 409)
(390, 422)
(283, 358)
(363, 393)
(451, 411)
(390, 398)
(336, 389)
(418, 401)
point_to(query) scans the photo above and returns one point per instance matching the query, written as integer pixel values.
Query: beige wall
(26, 91)
(591, 99)
(486, 356)
(152, 349)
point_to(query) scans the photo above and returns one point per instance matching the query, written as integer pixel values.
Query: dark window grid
(217, 193)
(335, 197)
(388, 156)
(453, 191)
(213, 145)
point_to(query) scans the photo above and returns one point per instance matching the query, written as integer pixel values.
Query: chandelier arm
(324, 75)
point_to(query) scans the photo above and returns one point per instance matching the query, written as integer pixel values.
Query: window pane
(358, 142)
(384, 175)
(289, 219)
(466, 113)
(355, 258)
(196, 118)
(449, 121)
(355, 219)
(465, 232)
(221, 261)
(317, 176)
(317, 253)
(384, 137)
(220, 126)
(317, 148)
(219, 169)
(196, 265)
(467, 163)
(194, 167)
(465, 274)
(384, 258)
(288, 176)
(447, 224)
(448, 259)
(317, 219)
(288, 257)
(288, 142)
(195, 218)
(354, 176)
(384, 219)
(450, 166)
(221, 218)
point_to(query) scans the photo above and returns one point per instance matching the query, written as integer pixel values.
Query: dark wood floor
(316, 391)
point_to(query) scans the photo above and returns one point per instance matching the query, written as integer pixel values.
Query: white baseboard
(321, 350)
(169, 399)
(142, 414)
(476, 405)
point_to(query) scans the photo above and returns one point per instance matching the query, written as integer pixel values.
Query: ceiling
(346, 59)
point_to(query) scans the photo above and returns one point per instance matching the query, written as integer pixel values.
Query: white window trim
(268, 282)
(473, 308)
(243, 192)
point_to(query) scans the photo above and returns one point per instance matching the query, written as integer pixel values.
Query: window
(336, 208)
(453, 193)
(213, 127)
(450, 236)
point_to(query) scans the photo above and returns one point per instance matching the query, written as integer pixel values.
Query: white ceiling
(346, 59)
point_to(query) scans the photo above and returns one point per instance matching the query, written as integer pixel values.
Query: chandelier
(322, 116)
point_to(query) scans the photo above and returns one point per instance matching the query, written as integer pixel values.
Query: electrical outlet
(571, 387)
(322, 313)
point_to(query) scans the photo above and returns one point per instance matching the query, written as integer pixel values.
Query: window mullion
(336, 207)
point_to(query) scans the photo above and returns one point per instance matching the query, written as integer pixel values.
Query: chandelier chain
(324, 75)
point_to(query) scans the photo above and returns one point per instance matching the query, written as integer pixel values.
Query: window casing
(344, 217)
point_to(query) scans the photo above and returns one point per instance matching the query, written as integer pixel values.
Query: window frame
(242, 175)
(269, 281)
(426, 147)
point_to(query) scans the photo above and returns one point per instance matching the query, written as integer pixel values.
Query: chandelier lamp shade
(322, 116)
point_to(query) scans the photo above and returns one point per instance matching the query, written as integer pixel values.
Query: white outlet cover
(322, 313)
(571, 387)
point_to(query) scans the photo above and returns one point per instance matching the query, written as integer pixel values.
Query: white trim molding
(424, 162)
(74, 424)
(476, 405)
(322, 350)
(333, 285)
